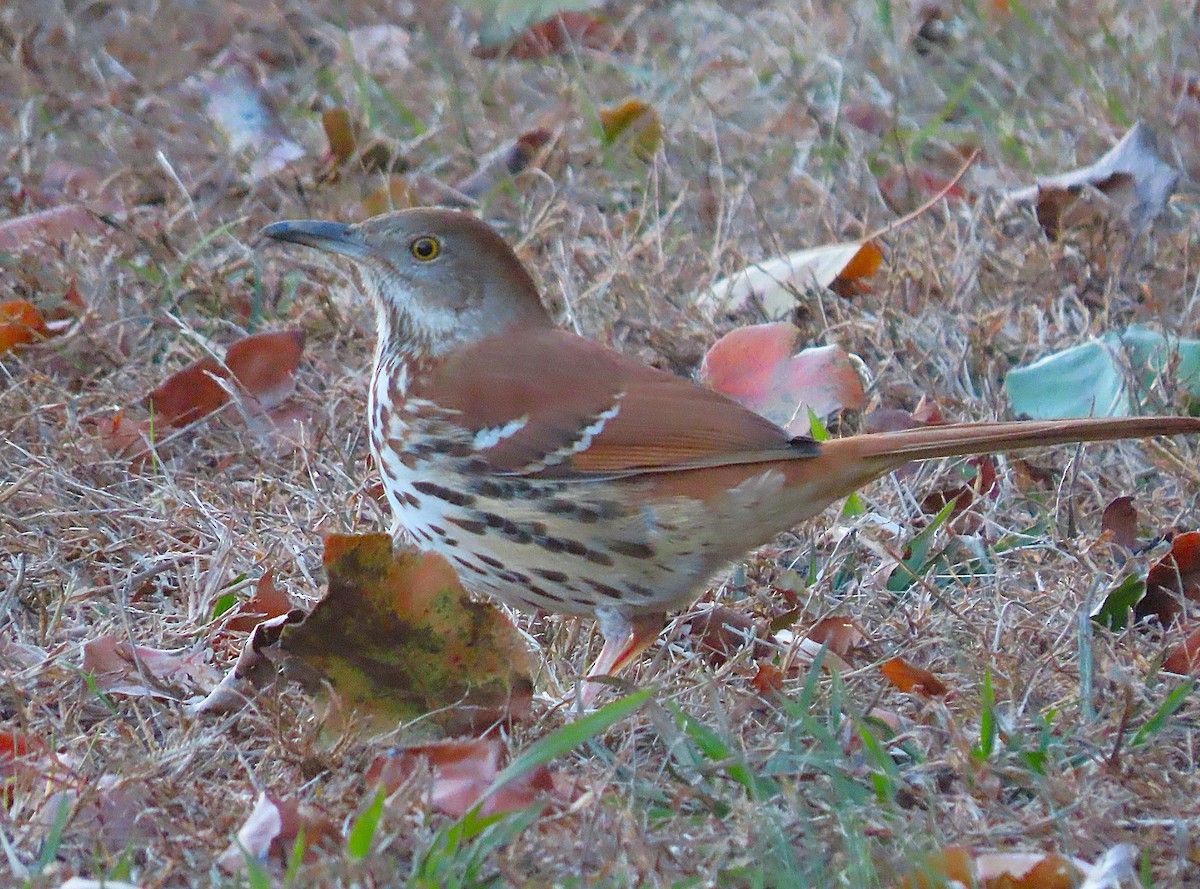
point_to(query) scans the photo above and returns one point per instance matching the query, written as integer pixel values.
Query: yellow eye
(425, 248)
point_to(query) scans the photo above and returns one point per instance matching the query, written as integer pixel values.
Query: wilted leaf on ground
(113, 811)
(1090, 379)
(1172, 580)
(757, 367)
(263, 365)
(911, 679)
(841, 634)
(500, 165)
(1119, 522)
(20, 323)
(461, 771)
(1132, 174)
(774, 283)
(1184, 659)
(35, 231)
(396, 195)
(395, 638)
(561, 28)
(722, 632)
(635, 124)
(267, 602)
(1001, 870)
(269, 833)
(116, 666)
(240, 110)
(339, 131)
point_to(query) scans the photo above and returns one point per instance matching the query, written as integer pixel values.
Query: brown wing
(548, 402)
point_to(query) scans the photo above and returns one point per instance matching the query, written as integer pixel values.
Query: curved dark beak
(333, 237)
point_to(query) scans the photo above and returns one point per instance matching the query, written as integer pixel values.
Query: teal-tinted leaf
(1082, 381)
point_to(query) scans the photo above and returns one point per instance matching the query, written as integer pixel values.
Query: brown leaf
(462, 770)
(20, 323)
(1120, 522)
(913, 680)
(756, 367)
(126, 669)
(1132, 175)
(505, 162)
(339, 130)
(842, 634)
(722, 632)
(269, 833)
(1184, 659)
(35, 231)
(559, 35)
(1172, 579)
(263, 365)
(397, 637)
(397, 195)
(767, 678)
(267, 602)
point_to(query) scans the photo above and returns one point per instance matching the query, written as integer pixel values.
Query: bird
(557, 474)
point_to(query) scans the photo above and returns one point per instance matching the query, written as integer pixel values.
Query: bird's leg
(624, 639)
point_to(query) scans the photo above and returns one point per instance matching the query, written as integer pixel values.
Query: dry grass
(760, 155)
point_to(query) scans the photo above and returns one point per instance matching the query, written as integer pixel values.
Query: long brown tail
(859, 459)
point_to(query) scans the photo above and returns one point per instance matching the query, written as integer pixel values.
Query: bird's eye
(425, 248)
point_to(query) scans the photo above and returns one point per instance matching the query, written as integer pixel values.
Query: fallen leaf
(240, 110)
(1185, 657)
(339, 130)
(774, 283)
(397, 195)
(500, 165)
(913, 680)
(632, 123)
(263, 365)
(958, 865)
(1119, 522)
(86, 883)
(269, 833)
(395, 638)
(267, 602)
(461, 772)
(1133, 174)
(758, 368)
(35, 231)
(1171, 580)
(121, 668)
(841, 634)
(20, 323)
(722, 632)
(1090, 379)
(561, 34)
(767, 678)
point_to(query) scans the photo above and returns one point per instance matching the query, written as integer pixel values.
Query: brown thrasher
(557, 474)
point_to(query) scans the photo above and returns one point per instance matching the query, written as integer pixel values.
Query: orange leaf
(340, 133)
(912, 680)
(20, 323)
(268, 601)
(1185, 657)
(635, 122)
(841, 633)
(190, 394)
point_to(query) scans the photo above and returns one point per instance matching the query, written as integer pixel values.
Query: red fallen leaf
(270, 831)
(912, 680)
(963, 496)
(557, 35)
(263, 364)
(767, 678)
(1172, 579)
(500, 165)
(756, 367)
(267, 602)
(122, 668)
(1185, 657)
(1120, 522)
(53, 226)
(722, 632)
(20, 323)
(841, 633)
(462, 771)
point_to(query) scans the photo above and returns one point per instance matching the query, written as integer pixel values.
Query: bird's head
(438, 278)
